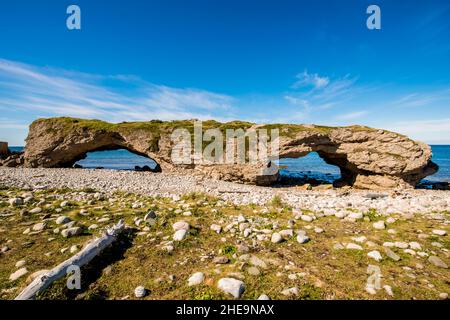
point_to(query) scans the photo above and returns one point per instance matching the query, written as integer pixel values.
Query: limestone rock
(180, 225)
(379, 225)
(140, 292)
(71, 232)
(180, 235)
(19, 273)
(437, 262)
(276, 238)
(368, 158)
(196, 279)
(62, 220)
(375, 255)
(231, 286)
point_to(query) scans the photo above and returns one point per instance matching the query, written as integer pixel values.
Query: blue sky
(261, 61)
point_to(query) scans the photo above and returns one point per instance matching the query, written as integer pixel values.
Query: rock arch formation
(368, 158)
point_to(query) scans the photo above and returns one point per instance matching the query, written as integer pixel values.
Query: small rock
(318, 230)
(39, 226)
(276, 238)
(20, 263)
(73, 249)
(216, 228)
(401, 245)
(353, 246)
(306, 218)
(253, 271)
(196, 279)
(440, 232)
(437, 262)
(221, 260)
(263, 297)
(140, 292)
(290, 292)
(443, 295)
(16, 201)
(415, 245)
(19, 273)
(63, 220)
(355, 215)
(360, 239)
(379, 225)
(150, 215)
(375, 255)
(410, 251)
(180, 235)
(390, 220)
(180, 225)
(388, 290)
(231, 286)
(64, 204)
(71, 232)
(287, 234)
(36, 210)
(303, 238)
(391, 254)
(338, 246)
(437, 244)
(257, 262)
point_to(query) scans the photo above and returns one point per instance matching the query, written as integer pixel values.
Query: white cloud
(49, 92)
(314, 80)
(431, 131)
(320, 93)
(352, 115)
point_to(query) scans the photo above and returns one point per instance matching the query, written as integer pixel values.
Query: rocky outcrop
(8, 158)
(3, 149)
(368, 158)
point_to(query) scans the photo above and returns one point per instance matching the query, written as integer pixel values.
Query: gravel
(170, 185)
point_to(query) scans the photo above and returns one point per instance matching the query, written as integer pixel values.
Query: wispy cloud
(352, 115)
(6, 123)
(48, 91)
(315, 93)
(305, 79)
(28, 92)
(430, 130)
(423, 99)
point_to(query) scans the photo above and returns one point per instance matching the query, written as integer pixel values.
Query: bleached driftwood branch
(90, 251)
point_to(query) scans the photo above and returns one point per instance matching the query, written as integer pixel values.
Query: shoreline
(331, 201)
(186, 235)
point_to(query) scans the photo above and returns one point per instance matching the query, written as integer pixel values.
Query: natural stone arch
(368, 158)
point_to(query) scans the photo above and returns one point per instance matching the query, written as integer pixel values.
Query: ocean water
(310, 166)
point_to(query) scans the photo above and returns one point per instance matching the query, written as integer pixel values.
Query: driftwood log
(90, 251)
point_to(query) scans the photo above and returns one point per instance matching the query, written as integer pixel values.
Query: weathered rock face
(3, 148)
(368, 158)
(10, 159)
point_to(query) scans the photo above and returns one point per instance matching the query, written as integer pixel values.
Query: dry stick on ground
(89, 252)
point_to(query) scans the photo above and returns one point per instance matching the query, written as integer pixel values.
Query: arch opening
(116, 158)
(309, 169)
